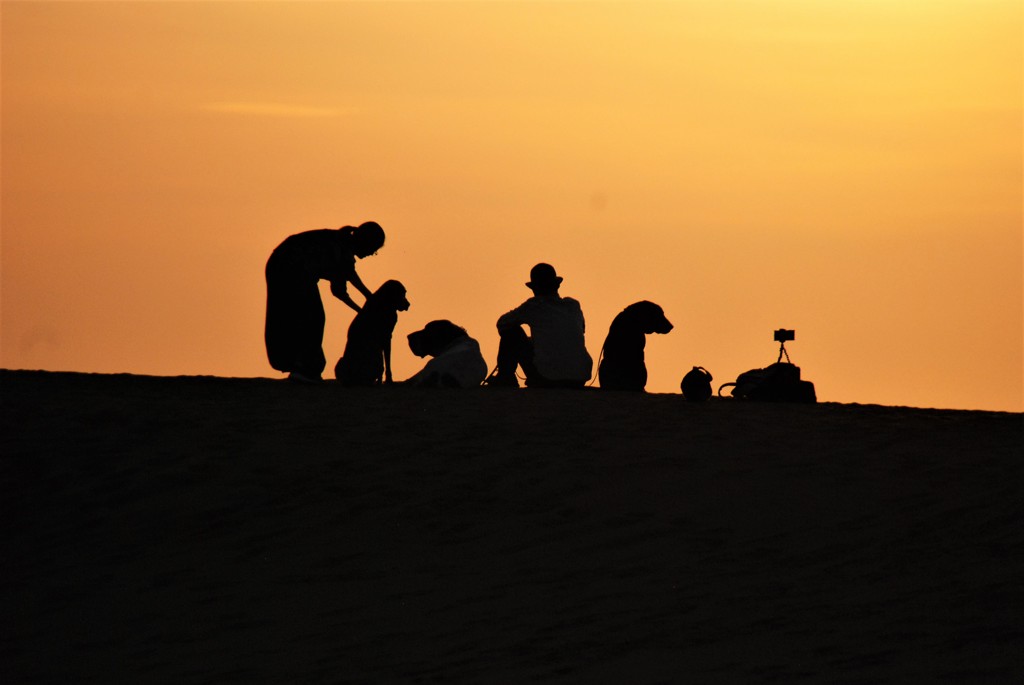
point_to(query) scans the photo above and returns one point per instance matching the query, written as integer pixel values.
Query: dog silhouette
(367, 356)
(456, 363)
(622, 364)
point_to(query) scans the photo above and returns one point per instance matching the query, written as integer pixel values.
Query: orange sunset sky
(851, 169)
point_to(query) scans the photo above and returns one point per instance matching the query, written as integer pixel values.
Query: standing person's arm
(344, 274)
(358, 283)
(340, 291)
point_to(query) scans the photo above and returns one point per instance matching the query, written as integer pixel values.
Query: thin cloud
(273, 109)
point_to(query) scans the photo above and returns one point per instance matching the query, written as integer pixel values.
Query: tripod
(783, 353)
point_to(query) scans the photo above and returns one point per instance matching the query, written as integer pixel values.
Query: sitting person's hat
(543, 276)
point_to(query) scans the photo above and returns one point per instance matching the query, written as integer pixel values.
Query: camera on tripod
(783, 335)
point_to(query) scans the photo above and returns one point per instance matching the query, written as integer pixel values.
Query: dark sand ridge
(245, 530)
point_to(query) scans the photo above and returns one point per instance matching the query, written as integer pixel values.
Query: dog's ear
(446, 332)
(432, 332)
(635, 314)
(456, 332)
(419, 343)
(648, 317)
(441, 333)
(626, 316)
(393, 292)
(426, 340)
(403, 302)
(655, 320)
(392, 288)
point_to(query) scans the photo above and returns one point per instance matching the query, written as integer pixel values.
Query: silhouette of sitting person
(294, 329)
(456, 363)
(554, 355)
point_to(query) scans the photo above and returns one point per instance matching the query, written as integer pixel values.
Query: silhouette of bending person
(294, 331)
(554, 355)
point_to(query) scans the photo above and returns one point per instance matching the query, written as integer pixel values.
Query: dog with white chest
(456, 360)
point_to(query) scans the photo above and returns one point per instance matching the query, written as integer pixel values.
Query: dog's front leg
(387, 361)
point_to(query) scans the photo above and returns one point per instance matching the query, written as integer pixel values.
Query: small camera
(784, 335)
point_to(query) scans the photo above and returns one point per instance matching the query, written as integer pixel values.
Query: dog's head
(647, 316)
(392, 295)
(434, 338)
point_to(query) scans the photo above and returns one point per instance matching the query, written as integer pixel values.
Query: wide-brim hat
(543, 276)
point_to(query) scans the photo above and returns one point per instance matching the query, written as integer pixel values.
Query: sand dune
(188, 530)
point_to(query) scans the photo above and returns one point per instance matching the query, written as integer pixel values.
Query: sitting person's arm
(513, 318)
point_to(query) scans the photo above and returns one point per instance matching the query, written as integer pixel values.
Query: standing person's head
(544, 280)
(367, 238)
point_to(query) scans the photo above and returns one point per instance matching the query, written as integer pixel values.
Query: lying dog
(367, 357)
(456, 363)
(622, 364)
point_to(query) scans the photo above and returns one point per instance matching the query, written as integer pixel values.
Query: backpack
(696, 385)
(779, 382)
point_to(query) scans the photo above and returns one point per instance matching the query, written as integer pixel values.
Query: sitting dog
(622, 364)
(367, 357)
(456, 363)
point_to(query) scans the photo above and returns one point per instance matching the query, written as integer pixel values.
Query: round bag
(696, 385)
